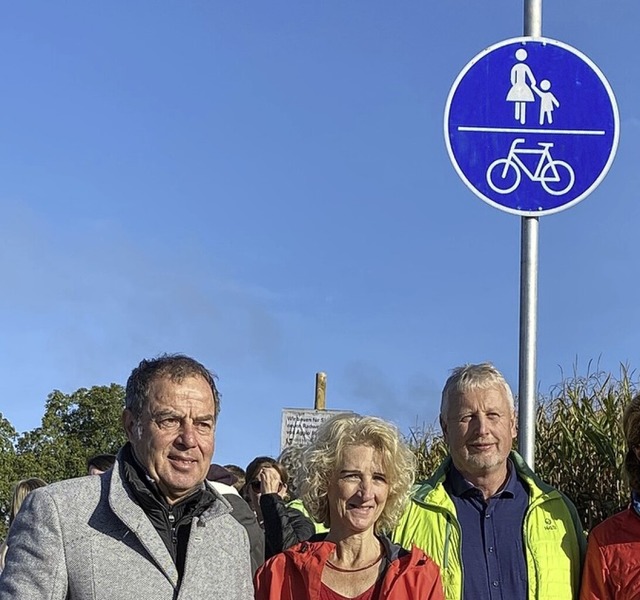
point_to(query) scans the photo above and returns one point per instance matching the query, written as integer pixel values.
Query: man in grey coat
(151, 528)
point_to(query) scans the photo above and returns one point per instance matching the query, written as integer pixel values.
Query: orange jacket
(612, 567)
(296, 574)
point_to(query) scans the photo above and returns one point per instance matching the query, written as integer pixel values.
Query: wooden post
(321, 389)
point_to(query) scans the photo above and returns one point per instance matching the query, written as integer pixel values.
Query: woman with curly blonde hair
(355, 477)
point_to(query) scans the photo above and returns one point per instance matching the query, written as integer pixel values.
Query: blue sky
(265, 186)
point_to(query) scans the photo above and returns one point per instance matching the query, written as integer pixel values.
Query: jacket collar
(126, 508)
(125, 505)
(148, 495)
(422, 489)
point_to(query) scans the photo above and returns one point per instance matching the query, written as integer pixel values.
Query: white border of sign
(616, 119)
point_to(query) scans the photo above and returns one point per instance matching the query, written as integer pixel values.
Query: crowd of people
(342, 517)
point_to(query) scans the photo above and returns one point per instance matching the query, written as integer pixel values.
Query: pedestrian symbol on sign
(547, 101)
(520, 93)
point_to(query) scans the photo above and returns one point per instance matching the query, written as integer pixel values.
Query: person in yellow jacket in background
(496, 530)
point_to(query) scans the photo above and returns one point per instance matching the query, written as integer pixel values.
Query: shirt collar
(461, 487)
(146, 490)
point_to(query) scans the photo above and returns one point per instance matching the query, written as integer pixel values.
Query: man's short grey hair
(483, 376)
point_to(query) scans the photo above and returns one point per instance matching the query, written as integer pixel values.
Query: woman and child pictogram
(523, 85)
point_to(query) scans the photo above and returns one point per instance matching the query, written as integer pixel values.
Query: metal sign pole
(528, 294)
(533, 18)
(528, 338)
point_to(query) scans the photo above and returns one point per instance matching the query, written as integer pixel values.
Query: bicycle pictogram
(555, 176)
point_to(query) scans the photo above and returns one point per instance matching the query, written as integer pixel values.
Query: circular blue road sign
(531, 126)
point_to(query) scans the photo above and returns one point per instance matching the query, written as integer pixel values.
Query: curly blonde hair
(322, 456)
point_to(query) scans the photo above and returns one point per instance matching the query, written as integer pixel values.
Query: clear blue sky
(265, 186)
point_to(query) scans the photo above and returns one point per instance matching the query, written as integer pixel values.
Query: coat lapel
(132, 515)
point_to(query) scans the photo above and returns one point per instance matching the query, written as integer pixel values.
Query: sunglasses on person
(256, 486)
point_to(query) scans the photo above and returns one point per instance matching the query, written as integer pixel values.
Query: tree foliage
(8, 438)
(74, 427)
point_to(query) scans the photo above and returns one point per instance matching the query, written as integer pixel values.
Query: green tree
(74, 427)
(8, 438)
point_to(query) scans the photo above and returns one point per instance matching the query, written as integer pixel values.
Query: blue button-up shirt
(493, 556)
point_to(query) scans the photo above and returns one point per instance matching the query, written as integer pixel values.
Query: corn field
(579, 442)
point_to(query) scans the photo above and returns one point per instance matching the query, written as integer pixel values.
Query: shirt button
(491, 549)
(487, 516)
(495, 584)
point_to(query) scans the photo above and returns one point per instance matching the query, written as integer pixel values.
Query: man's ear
(129, 424)
(445, 432)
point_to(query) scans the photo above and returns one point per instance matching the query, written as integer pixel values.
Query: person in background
(100, 463)
(290, 458)
(356, 477)
(221, 475)
(612, 567)
(150, 528)
(494, 527)
(240, 475)
(223, 481)
(266, 491)
(20, 491)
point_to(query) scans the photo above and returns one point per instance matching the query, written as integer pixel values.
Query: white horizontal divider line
(515, 130)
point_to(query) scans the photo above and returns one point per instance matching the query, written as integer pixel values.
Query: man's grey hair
(483, 376)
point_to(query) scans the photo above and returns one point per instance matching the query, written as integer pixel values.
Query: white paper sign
(299, 425)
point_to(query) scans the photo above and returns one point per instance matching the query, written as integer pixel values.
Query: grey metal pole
(528, 338)
(533, 18)
(528, 295)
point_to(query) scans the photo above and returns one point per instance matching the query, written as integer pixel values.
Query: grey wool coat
(86, 539)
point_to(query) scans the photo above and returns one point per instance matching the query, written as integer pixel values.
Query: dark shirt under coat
(493, 554)
(171, 521)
